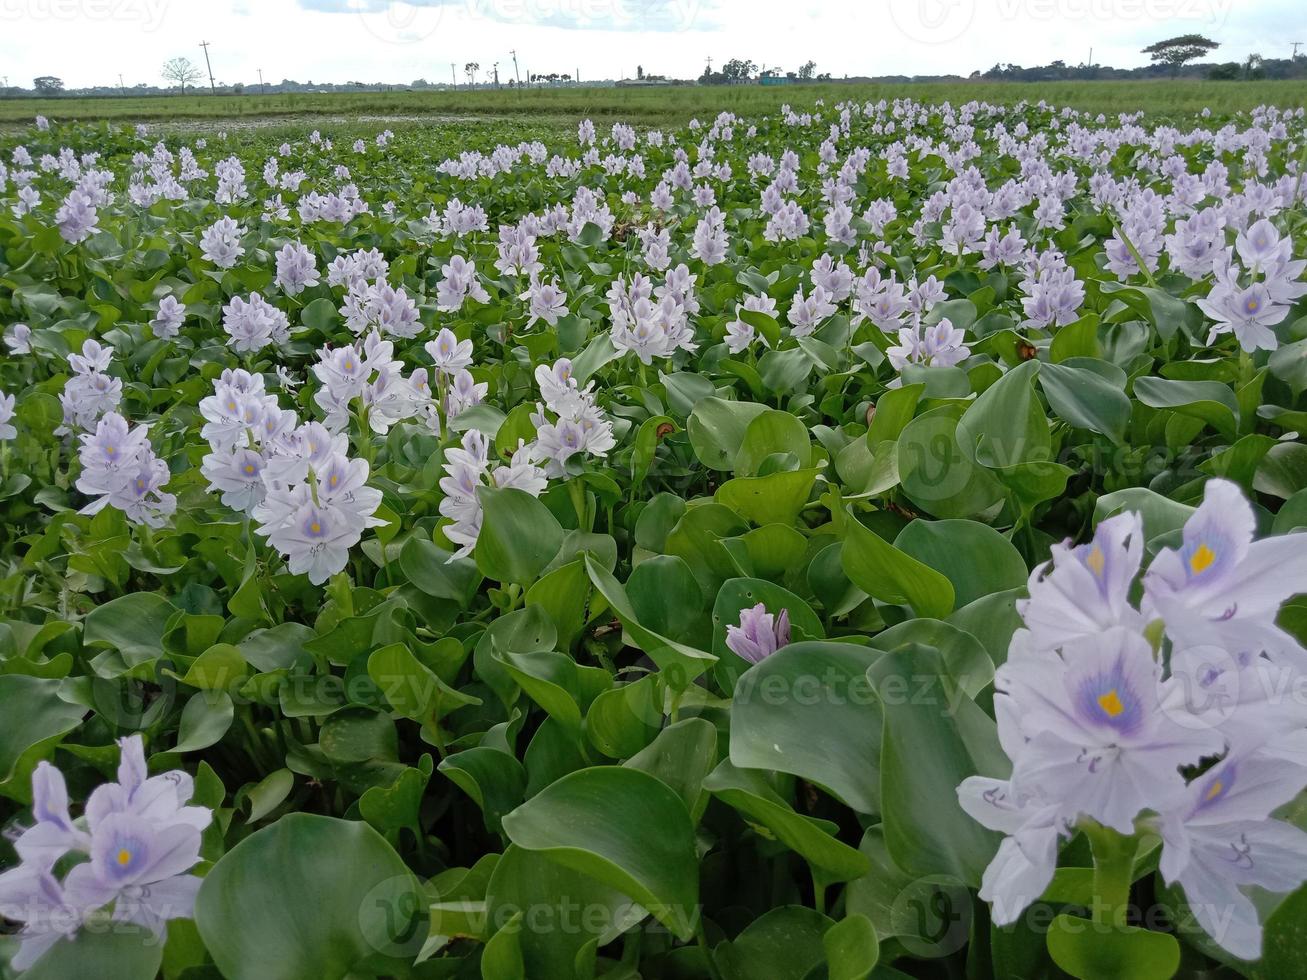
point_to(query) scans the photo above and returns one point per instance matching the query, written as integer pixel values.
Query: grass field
(667, 105)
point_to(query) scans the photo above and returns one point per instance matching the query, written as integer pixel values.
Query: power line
(213, 86)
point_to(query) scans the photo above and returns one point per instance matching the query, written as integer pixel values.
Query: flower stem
(1114, 865)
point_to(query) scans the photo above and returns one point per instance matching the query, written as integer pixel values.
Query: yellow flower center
(249, 468)
(315, 528)
(124, 857)
(1201, 560)
(1216, 789)
(1111, 704)
(1096, 561)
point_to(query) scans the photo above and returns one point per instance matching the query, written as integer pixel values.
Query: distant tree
(808, 70)
(48, 85)
(737, 70)
(470, 70)
(181, 71)
(1227, 72)
(1252, 68)
(1179, 51)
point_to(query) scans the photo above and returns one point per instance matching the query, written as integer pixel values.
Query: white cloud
(89, 42)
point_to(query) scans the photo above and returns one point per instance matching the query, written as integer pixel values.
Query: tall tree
(181, 71)
(808, 70)
(48, 85)
(1181, 50)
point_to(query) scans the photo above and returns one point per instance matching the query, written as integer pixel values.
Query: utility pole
(452, 77)
(515, 72)
(122, 87)
(263, 86)
(1296, 46)
(496, 74)
(213, 87)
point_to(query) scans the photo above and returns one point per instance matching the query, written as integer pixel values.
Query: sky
(92, 42)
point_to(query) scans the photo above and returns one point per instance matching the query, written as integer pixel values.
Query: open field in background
(662, 105)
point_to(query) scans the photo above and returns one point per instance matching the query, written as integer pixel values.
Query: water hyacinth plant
(860, 540)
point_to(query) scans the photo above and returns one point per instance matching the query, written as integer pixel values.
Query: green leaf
(553, 935)
(1086, 399)
(681, 756)
(785, 943)
(884, 572)
(935, 473)
(926, 717)
(1210, 401)
(118, 953)
(977, 559)
(410, 688)
(133, 625)
(519, 536)
(773, 499)
(494, 780)
(430, 569)
(769, 434)
(204, 721)
(34, 714)
(748, 791)
(679, 663)
(624, 828)
(309, 896)
(269, 793)
(1091, 951)
(717, 428)
(852, 948)
(810, 710)
(502, 957)
(623, 720)
(894, 410)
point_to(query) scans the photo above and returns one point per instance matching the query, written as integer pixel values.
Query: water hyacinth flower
(759, 633)
(253, 324)
(297, 268)
(77, 217)
(221, 243)
(141, 836)
(1107, 709)
(120, 470)
(19, 339)
(7, 431)
(168, 320)
(1222, 587)
(450, 354)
